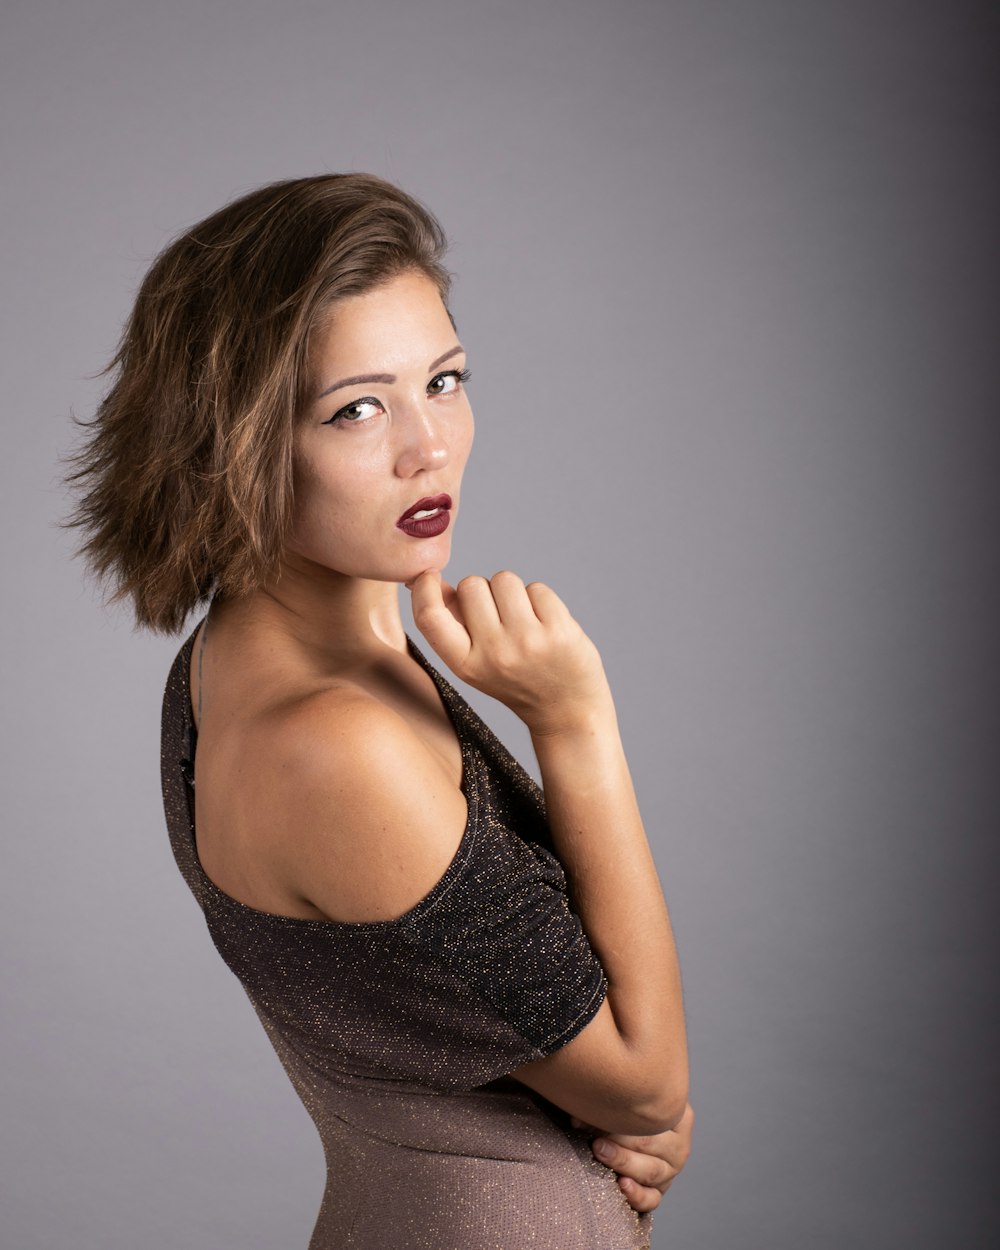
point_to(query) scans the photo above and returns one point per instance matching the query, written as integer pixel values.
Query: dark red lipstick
(427, 518)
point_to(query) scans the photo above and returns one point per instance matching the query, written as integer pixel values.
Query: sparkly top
(399, 1035)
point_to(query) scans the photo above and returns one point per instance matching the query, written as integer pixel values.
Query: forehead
(398, 322)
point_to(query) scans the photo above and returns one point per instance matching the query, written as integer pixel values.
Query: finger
(439, 619)
(673, 1146)
(669, 1148)
(646, 1169)
(640, 1198)
(513, 604)
(546, 604)
(479, 610)
(451, 600)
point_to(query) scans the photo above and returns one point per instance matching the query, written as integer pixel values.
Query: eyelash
(460, 375)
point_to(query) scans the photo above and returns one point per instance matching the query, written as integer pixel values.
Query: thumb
(437, 616)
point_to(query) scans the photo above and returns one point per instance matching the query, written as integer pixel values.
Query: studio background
(727, 276)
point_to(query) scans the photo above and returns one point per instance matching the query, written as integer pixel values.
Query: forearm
(600, 840)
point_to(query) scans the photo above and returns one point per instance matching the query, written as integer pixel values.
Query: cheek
(319, 505)
(463, 445)
(329, 485)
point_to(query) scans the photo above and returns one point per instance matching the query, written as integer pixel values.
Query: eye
(445, 383)
(355, 412)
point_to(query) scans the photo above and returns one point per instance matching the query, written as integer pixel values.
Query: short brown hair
(186, 474)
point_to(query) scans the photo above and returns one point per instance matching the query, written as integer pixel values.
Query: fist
(514, 642)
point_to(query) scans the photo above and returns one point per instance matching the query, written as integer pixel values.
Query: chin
(399, 566)
(432, 553)
(421, 566)
(403, 573)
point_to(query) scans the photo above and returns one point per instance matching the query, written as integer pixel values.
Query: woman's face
(380, 448)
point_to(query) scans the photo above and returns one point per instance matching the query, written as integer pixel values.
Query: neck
(331, 614)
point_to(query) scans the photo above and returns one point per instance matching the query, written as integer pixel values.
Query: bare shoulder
(370, 818)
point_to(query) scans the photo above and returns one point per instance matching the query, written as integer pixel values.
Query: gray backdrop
(728, 280)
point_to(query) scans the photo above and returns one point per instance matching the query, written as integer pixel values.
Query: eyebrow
(364, 378)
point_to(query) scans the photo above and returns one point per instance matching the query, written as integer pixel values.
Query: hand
(517, 643)
(646, 1166)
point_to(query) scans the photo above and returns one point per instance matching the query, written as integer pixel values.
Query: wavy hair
(185, 475)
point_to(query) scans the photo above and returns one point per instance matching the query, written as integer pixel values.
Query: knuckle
(535, 646)
(472, 581)
(422, 611)
(641, 1197)
(657, 1175)
(506, 575)
(505, 659)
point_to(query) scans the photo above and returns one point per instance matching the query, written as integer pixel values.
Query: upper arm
(369, 817)
(368, 822)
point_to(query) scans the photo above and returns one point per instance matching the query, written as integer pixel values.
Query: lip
(430, 526)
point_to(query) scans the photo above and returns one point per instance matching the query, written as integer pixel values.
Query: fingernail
(603, 1148)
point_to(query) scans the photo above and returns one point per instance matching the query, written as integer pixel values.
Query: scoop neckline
(467, 785)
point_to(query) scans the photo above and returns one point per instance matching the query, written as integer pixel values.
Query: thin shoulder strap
(187, 764)
(201, 657)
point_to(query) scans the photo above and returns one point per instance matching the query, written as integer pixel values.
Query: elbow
(655, 1082)
(642, 1120)
(659, 1114)
(660, 1106)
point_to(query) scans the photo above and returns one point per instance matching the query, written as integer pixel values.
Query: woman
(286, 433)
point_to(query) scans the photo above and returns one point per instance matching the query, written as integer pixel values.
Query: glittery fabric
(399, 1035)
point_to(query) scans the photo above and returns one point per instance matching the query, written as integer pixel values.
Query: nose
(423, 443)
